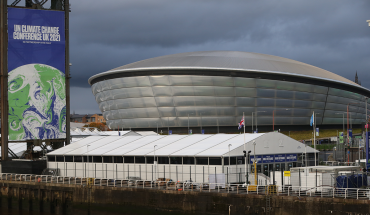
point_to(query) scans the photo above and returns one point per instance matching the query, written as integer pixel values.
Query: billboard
(36, 68)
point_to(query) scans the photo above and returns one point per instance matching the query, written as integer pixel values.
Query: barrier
(300, 191)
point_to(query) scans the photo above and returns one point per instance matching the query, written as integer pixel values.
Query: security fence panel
(295, 178)
(327, 180)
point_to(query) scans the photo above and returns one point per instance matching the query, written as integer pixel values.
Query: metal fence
(300, 191)
(194, 173)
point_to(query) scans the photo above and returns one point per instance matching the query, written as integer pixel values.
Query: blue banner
(291, 157)
(36, 67)
(258, 158)
(279, 158)
(268, 158)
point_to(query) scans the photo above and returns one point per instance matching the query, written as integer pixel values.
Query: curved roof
(230, 60)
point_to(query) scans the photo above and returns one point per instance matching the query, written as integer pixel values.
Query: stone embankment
(44, 198)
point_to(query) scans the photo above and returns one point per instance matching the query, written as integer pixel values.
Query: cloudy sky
(331, 34)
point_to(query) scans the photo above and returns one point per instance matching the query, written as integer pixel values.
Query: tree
(99, 125)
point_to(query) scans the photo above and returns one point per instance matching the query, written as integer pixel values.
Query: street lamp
(201, 121)
(188, 125)
(348, 129)
(314, 143)
(229, 159)
(344, 152)
(273, 119)
(255, 163)
(155, 163)
(88, 173)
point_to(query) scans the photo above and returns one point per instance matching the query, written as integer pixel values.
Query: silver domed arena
(212, 89)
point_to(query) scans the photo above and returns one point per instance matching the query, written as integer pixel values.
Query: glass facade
(168, 100)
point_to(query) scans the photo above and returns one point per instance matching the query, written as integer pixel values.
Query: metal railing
(286, 190)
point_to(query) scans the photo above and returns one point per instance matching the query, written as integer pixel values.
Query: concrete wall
(74, 199)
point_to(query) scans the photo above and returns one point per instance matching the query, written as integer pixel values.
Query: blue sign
(258, 158)
(202, 131)
(267, 158)
(170, 132)
(279, 158)
(317, 131)
(291, 157)
(36, 68)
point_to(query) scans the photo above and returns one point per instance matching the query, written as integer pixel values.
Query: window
(215, 161)
(226, 161)
(202, 161)
(139, 159)
(188, 160)
(69, 158)
(60, 158)
(176, 160)
(77, 158)
(232, 160)
(163, 160)
(129, 159)
(51, 158)
(150, 159)
(107, 159)
(241, 160)
(92, 119)
(97, 159)
(118, 159)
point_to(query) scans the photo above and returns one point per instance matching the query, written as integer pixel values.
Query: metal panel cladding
(36, 67)
(215, 88)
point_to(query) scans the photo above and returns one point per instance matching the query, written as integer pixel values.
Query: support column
(4, 78)
(67, 75)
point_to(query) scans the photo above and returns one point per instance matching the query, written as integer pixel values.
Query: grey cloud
(331, 34)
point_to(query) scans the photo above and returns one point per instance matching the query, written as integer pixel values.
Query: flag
(312, 121)
(241, 123)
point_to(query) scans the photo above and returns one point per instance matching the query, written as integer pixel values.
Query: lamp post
(255, 162)
(348, 130)
(256, 119)
(88, 173)
(155, 163)
(315, 136)
(200, 122)
(188, 124)
(344, 152)
(273, 119)
(229, 158)
(249, 154)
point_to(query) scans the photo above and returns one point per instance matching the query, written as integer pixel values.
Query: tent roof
(185, 145)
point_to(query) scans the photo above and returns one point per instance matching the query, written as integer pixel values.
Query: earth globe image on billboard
(37, 103)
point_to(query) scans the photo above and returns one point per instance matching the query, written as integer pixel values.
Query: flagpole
(245, 157)
(314, 135)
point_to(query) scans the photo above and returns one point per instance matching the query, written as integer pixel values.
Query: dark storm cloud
(329, 34)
